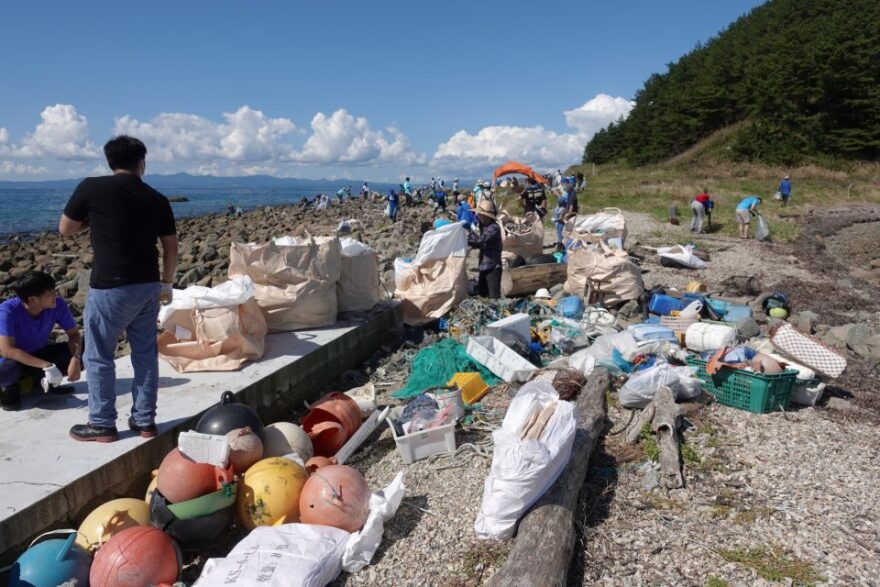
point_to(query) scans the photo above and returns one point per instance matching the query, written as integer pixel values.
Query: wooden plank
(530, 278)
(545, 540)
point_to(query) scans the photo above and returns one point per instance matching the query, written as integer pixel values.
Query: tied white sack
(639, 390)
(305, 555)
(523, 470)
(684, 255)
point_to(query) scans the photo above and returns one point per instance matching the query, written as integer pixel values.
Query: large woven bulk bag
(358, 288)
(294, 279)
(609, 272)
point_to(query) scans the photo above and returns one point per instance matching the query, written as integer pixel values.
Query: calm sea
(30, 210)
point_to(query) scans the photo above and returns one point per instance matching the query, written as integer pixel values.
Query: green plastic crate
(754, 392)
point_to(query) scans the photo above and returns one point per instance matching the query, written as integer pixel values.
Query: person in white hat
(489, 244)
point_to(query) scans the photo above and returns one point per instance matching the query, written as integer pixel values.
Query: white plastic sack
(305, 555)
(234, 292)
(362, 545)
(603, 347)
(352, 247)
(523, 470)
(682, 254)
(609, 223)
(762, 230)
(447, 241)
(579, 361)
(639, 390)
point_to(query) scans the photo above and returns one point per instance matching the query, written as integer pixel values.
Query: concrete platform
(48, 480)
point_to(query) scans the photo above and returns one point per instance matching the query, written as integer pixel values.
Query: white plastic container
(499, 358)
(421, 445)
(510, 330)
(807, 393)
(701, 337)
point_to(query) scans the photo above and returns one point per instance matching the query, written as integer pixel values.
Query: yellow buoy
(112, 517)
(269, 493)
(696, 286)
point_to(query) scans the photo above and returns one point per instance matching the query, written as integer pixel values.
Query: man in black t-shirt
(126, 217)
(534, 198)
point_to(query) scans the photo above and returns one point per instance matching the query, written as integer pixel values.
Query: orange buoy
(136, 557)
(336, 495)
(181, 478)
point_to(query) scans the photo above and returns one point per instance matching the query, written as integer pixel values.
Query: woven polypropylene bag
(807, 350)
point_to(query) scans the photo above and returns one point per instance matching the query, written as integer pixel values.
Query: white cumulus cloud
(598, 113)
(11, 168)
(246, 135)
(535, 145)
(4, 135)
(344, 138)
(62, 134)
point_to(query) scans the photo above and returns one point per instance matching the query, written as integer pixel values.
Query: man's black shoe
(87, 432)
(61, 389)
(146, 430)
(10, 398)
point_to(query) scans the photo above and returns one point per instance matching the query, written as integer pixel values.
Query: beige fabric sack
(212, 329)
(609, 271)
(294, 279)
(435, 281)
(359, 288)
(521, 236)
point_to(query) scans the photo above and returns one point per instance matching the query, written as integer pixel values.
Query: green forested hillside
(801, 77)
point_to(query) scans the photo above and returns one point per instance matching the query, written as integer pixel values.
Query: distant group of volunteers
(747, 209)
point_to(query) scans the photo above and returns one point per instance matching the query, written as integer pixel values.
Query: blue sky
(332, 89)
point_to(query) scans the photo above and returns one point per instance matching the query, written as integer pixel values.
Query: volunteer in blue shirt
(393, 204)
(25, 324)
(464, 213)
(785, 189)
(744, 212)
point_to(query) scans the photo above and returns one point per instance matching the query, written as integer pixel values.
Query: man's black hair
(33, 284)
(125, 152)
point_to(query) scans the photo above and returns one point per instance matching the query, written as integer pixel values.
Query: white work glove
(166, 294)
(52, 378)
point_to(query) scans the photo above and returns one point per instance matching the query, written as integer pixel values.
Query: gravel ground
(795, 482)
(798, 488)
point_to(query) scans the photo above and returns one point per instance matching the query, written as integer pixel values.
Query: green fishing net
(435, 365)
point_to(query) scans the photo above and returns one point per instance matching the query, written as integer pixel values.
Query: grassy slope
(653, 188)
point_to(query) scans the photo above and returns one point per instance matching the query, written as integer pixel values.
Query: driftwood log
(543, 548)
(530, 278)
(664, 415)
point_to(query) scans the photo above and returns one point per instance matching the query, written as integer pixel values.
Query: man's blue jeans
(134, 309)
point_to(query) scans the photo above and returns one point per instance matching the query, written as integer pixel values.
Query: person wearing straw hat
(489, 244)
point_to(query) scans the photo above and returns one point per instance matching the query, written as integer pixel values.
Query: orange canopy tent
(516, 167)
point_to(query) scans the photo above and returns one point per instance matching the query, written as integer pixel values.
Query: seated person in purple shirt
(25, 324)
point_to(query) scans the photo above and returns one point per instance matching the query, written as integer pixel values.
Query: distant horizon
(252, 177)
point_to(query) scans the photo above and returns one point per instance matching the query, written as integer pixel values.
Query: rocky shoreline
(205, 242)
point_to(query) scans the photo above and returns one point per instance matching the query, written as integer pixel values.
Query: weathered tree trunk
(544, 544)
(665, 425)
(663, 414)
(530, 278)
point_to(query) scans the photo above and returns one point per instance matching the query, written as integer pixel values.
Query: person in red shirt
(701, 208)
